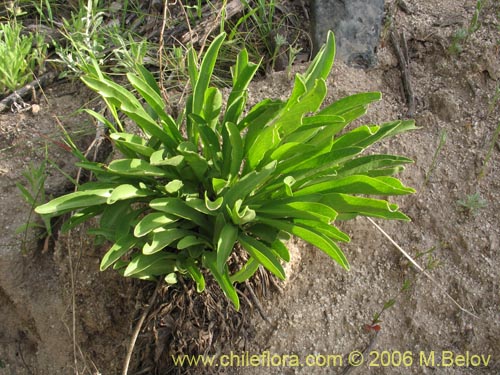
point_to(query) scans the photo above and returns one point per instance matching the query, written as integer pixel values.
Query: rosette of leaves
(188, 190)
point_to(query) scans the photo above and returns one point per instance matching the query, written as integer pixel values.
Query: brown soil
(323, 309)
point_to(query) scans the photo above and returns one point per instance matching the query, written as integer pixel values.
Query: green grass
(21, 56)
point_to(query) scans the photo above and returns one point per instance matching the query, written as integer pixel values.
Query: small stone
(35, 109)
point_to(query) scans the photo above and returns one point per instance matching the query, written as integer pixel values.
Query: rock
(356, 24)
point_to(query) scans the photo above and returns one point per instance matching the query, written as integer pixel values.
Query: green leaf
(348, 204)
(72, 201)
(248, 184)
(357, 184)
(138, 168)
(150, 92)
(319, 240)
(151, 265)
(232, 150)
(222, 278)
(194, 271)
(163, 239)
(322, 64)
(124, 100)
(191, 241)
(281, 250)
(206, 68)
(344, 105)
(119, 248)
(265, 142)
(127, 191)
(246, 272)
(174, 186)
(264, 255)
(153, 221)
(372, 165)
(178, 207)
(132, 142)
(225, 244)
(295, 208)
(212, 107)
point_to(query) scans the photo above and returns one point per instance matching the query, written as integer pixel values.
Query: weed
(473, 203)
(442, 141)
(462, 35)
(33, 192)
(217, 190)
(19, 59)
(490, 151)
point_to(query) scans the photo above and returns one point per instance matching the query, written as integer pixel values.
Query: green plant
(462, 35)
(490, 152)
(473, 203)
(19, 59)
(193, 193)
(442, 141)
(33, 192)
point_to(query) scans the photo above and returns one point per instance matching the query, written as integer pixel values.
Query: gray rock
(356, 24)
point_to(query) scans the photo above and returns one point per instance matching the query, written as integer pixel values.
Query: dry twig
(404, 65)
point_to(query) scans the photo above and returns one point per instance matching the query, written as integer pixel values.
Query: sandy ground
(323, 310)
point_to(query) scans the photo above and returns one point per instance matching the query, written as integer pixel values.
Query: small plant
(19, 59)
(33, 192)
(442, 141)
(473, 203)
(462, 35)
(191, 194)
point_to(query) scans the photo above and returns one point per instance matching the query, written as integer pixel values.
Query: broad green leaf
(297, 209)
(222, 278)
(281, 250)
(154, 99)
(153, 221)
(163, 239)
(138, 168)
(81, 216)
(206, 69)
(263, 254)
(242, 74)
(291, 119)
(225, 244)
(213, 205)
(127, 191)
(246, 272)
(248, 184)
(357, 184)
(315, 238)
(174, 186)
(196, 162)
(133, 142)
(123, 99)
(232, 150)
(328, 230)
(370, 164)
(241, 215)
(348, 204)
(119, 248)
(212, 107)
(178, 207)
(265, 142)
(344, 105)
(322, 64)
(72, 201)
(194, 271)
(151, 265)
(191, 241)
